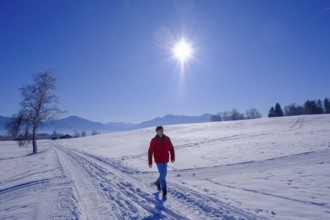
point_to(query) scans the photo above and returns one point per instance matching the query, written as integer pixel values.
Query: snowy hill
(275, 168)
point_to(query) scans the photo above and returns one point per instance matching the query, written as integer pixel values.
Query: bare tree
(83, 133)
(216, 117)
(253, 113)
(293, 109)
(94, 132)
(39, 105)
(76, 134)
(225, 116)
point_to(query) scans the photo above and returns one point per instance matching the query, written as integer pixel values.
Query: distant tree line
(234, 115)
(77, 134)
(310, 107)
(6, 138)
(20, 137)
(46, 136)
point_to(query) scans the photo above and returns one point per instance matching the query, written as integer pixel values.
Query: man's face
(160, 132)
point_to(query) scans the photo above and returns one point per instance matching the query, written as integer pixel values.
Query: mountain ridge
(75, 123)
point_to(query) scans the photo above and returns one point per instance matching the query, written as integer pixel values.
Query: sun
(182, 51)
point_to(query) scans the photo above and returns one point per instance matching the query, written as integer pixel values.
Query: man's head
(160, 131)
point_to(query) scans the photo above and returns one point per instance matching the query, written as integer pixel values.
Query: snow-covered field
(275, 168)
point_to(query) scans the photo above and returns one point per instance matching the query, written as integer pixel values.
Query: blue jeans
(162, 168)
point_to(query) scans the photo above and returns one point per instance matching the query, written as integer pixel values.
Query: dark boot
(164, 193)
(157, 185)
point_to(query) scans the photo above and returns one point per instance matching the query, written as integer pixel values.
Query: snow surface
(276, 168)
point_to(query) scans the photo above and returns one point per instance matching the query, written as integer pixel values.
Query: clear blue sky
(115, 64)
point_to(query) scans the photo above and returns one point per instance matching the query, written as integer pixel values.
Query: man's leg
(164, 176)
(162, 168)
(157, 183)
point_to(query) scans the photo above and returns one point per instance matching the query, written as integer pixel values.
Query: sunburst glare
(182, 51)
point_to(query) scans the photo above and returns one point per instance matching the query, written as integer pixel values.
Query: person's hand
(150, 165)
(172, 161)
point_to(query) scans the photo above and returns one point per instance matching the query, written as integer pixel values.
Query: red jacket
(160, 148)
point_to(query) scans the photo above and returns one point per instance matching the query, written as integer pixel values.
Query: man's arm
(172, 151)
(150, 152)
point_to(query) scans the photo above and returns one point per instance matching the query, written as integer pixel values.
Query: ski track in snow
(299, 123)
(38, 191)
(306, 159)
(106, 190)
(201, 143)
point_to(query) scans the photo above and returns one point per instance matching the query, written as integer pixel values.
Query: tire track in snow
(124, 200)
(298, 124)
(130, 187)
(198, 144)
(87, 195)
(303, 159)
(201, 206)
(270, 194)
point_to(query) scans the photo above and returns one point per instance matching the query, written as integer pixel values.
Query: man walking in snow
(160, 146)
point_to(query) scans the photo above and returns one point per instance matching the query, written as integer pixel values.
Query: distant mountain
(175, 119)
(119, 126)
(3, 122)
(75, 123)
